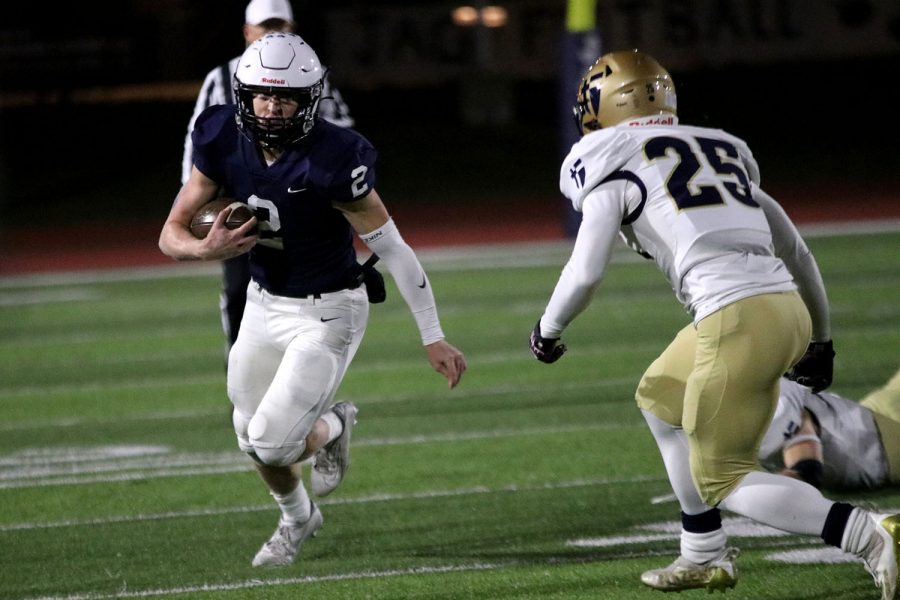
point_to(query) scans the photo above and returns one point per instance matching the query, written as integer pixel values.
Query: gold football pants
(719, 382)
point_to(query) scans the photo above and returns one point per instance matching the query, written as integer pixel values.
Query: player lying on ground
(834, 442)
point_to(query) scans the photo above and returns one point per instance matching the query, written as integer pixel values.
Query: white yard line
(380, 497)
(20, 470)
(809, 552)
(281, 581)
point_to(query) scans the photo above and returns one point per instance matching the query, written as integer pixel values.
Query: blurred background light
(493, 16)
(489, 16)
(465, 16)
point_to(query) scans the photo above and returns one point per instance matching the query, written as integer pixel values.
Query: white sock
(702, 547)
(857, 532)
(335, 426)
(295, 506)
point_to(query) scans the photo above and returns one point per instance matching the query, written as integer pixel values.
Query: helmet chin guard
(623, 85)
(284, 66)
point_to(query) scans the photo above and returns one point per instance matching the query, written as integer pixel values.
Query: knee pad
(283, 456)
(275, 451)
(662, 395)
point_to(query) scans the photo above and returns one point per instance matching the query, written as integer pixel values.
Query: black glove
(545, 349)
(809, 470)
(816, 368)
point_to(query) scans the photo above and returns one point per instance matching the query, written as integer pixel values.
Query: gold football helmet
(623, 85)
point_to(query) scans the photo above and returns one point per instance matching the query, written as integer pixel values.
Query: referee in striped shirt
(261, 17)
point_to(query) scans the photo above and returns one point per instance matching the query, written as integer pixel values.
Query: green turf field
(120, 477)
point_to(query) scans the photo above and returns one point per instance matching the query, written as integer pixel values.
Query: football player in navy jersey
(690, 199)
(260, 17)
(311, 185)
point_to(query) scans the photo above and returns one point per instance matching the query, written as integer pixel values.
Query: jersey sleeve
(208, 141)
(603, 211)
(790, 248)
(347, 168)
(592, 159)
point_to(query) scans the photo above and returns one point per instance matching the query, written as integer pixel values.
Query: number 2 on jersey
(719, 155)
(269, 222)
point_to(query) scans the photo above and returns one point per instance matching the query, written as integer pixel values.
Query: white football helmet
(623, 85)
(278, 64)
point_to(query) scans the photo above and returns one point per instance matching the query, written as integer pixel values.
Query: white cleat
(882, 554)
(333, 460)
(285, 543)
(719, 573)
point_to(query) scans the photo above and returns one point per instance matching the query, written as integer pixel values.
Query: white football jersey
(851, 445)
(690, 204)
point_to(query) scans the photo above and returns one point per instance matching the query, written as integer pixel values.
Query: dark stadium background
(74, 152)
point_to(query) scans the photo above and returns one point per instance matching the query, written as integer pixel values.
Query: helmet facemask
(278, 132)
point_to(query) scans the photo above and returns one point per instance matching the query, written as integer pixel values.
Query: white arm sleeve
(409, 276)
(598, 232)
(791, 248)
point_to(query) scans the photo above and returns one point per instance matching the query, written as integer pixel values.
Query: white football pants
(286, 365)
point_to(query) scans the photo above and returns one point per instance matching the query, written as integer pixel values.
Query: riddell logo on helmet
(660, 120)
(273, 81)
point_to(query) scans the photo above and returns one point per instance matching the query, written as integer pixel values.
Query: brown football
(204, 218)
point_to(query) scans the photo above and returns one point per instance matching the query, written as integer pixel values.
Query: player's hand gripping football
(546, 350)
(222, 241)
(816, 369)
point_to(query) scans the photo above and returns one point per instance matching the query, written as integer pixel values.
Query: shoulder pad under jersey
(592, 159)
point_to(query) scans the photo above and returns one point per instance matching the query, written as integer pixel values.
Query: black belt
(318, 295)
(311, 296)
(354, 283)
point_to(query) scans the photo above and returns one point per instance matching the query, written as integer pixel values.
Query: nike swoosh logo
(324, 320)
(424, 282)
(293, 191)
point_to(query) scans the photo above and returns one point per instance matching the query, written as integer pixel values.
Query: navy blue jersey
(306, 245)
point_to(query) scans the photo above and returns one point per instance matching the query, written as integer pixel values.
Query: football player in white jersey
(834, 442)
(689, 198)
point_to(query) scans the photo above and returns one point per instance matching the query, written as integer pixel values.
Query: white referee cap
(263, 10)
